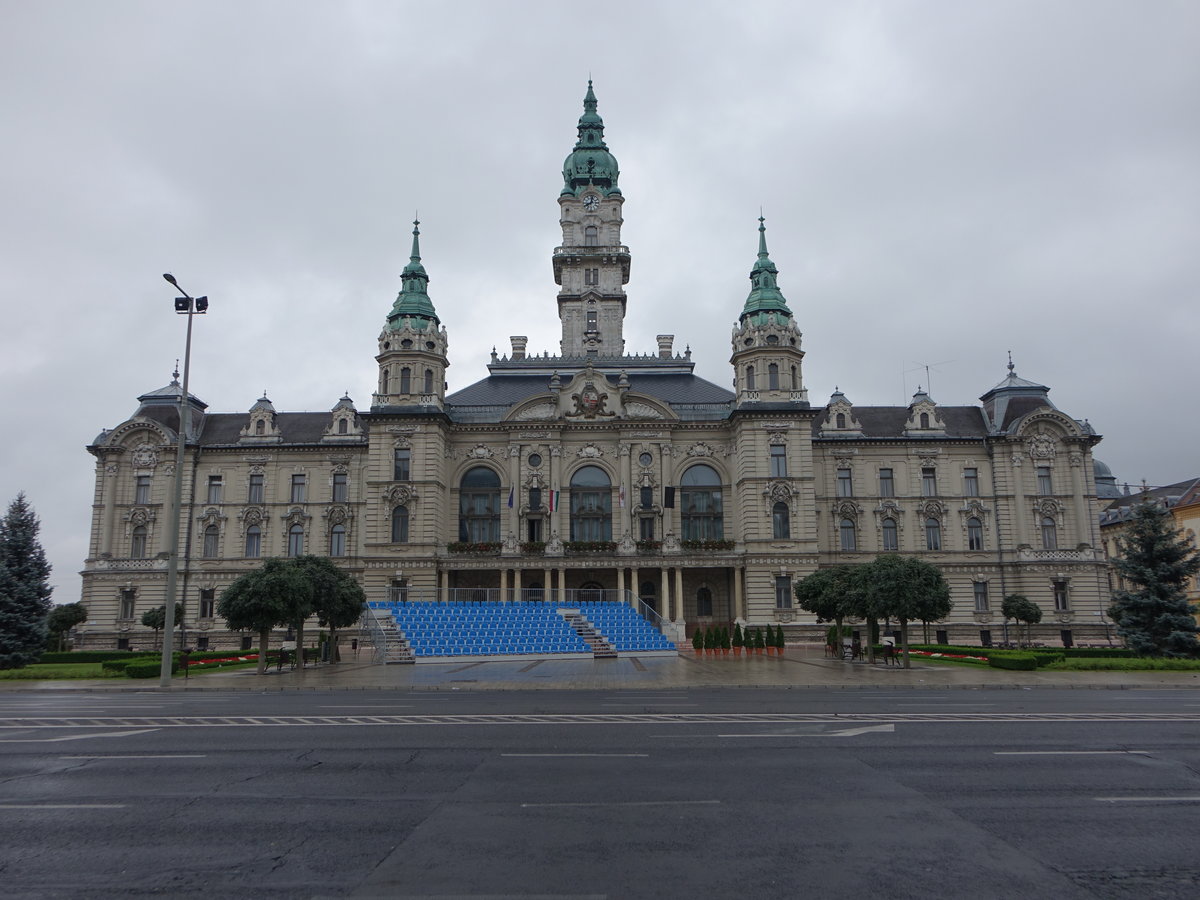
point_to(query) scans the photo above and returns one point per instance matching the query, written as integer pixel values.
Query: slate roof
(883, 422)
(224, 430)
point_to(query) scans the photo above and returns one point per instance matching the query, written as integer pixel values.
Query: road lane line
(1195, 799)
(75, 737)
(144, 756)
(62, 805)
(576, 755)
(1070, 752)
(618, 803)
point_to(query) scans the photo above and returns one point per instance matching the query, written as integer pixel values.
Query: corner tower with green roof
(412, 346)
(766, 339)
(591, 265)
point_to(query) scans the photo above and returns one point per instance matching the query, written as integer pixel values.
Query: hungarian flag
(511, 494)
(553, 500)
(622, 496)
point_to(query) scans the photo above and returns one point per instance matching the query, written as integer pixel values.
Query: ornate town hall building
(602, 470)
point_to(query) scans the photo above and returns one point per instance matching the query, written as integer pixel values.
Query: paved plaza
(804, 666)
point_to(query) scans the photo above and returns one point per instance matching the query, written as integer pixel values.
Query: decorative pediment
(931, 508)
(924, 417)
(889, 509)
(589, 451)
(636, 409)
(778, 492)
(839, 418)
(337, 515)
(295, 516)
(538, 410)
(144, 456)
(701, 449)
(847, 509)
(139, 516)
(401, 495)
(974, 508)
(252, 515)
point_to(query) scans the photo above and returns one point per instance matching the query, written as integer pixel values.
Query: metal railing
(370, 628)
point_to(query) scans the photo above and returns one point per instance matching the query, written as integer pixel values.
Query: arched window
(933, 534)
(591, 505)
(383, 381)
(479, 506)
(891, 537)
(591, 592)
(405, 380)
(534, 593)
(337, 540)
(781, 527)
(702, 514)
(211, 536)
(295, 545)
(750, 378)
(974, 534)
(137, 547)
(253, 542)
(428, 381)
(591, 237)
(704, 602)
(400, 525)
(1049, 533)
(841, 420)
(260, 427)
(343, 426)
(772, 377)
(924, 420)
(849, 539)
(795, 380)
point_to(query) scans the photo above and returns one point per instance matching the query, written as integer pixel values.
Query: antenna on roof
(928, 379)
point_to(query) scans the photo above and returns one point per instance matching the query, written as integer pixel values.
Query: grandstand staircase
(394, 647)
(601, 648)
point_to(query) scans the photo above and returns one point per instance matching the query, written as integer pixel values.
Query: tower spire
(765, 296)
(590, 163)
(413, 301)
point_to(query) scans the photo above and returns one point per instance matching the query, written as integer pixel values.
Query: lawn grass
(1137, 664)
(54, 672)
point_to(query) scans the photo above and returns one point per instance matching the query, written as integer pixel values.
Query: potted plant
(759, 642)
(698, 640)
(725, 642)
(710, 641)
(780, 640)
(738, 640)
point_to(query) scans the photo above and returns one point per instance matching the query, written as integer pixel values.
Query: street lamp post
(189, 306)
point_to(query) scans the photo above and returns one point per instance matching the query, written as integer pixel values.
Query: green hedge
(1142, 664)
(1098, 653)
(1022, 662)
(95, 656)
(150, 668)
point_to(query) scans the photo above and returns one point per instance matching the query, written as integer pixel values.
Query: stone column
(517, 584)
(562, 583)
(108, 501)
(678, 595)
(739, 596)
(444, 592)
(1020, 511)
(635, 586)
(503, 582)
(514, 480)
(546, 582)
(621, 583)
(664, 605)
(1082, 529)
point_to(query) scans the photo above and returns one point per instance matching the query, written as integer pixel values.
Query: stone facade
(598, 470)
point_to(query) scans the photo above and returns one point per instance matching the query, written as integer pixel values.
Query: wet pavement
(799, 667)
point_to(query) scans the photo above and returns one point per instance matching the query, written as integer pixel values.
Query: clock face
(591, 202)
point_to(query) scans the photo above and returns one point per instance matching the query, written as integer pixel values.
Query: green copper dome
(590, 163)
(765, 296)
(413, 302)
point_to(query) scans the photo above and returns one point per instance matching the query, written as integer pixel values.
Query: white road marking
(846, 732)
(144, 756)
(1070, 752)
(575, 755)
(76, 737)
(617, 803)
(1195, 799)
(62, 805)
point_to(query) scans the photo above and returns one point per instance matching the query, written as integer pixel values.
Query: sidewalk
(803, 667)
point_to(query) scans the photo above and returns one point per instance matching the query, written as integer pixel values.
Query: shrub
(725, 641)
(738, 639)
(698, 639)
(117, 666)
(710, 639)
(1119, 664)
(1023, 662)
(150, 668)
(94, 656)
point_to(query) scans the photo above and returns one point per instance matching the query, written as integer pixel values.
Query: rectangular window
(298, 486)
(971, 482)
(401, 460)
(398, 591)
(535, 498)
(207, 602)
(141, 490)
(591, 320)
(887, 487)
(214, 489)
(128, 595)
(981, 596)
(1062, 601)
(341, 487)
(1045, 482)
(783, 592)
(929, 482)
(202, 642)
(591, 276)
(646, 528)
(845, 486)
(778, 461)
(646, 497)
(534, 529)
(254, 494)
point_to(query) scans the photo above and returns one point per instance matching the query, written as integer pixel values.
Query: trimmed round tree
(337, 599)
(908, 590)
(258, 601)
(1022, 609)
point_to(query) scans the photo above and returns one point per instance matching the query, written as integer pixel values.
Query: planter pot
(758, 651)
(737, 651)
(724, 651)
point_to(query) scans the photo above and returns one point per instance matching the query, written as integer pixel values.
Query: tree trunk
(264, 638)
(332, 646)
(872, 627)
(904, 641)
(300, 645)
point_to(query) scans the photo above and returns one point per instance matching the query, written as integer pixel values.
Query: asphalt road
(697, 793)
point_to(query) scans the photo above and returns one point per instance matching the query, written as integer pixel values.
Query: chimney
(518, 344)
(664, 345)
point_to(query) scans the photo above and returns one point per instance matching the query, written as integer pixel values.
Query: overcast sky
(943, 182)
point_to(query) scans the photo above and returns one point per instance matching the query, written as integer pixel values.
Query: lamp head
(170, 278)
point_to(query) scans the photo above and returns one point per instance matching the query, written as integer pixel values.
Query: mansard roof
(883, 422)
(225, 429)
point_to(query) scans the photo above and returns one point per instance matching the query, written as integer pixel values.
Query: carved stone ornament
(479, 451)
(336, 515)
(400, 495)
(1047, 507)
(591, 451)
(931, 508)
(846, 509)
(139, 517)
(777, 437)
(537, 411)
(778, 492)
(112, 469)
(1041, 446)
(1076, 460)
(145, 456)
(701, 449)
(168, 469)
(252, 516)
(637, 410)
(590, 403)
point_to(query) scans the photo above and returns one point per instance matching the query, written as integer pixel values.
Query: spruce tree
(1155, 618)
(24, 587)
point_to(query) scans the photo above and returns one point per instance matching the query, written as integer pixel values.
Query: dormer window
(260, 427)
(591, 236)
(343, 427)
(841, 420)
(924, 420)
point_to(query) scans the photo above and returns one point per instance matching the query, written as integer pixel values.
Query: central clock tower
(591, 264)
